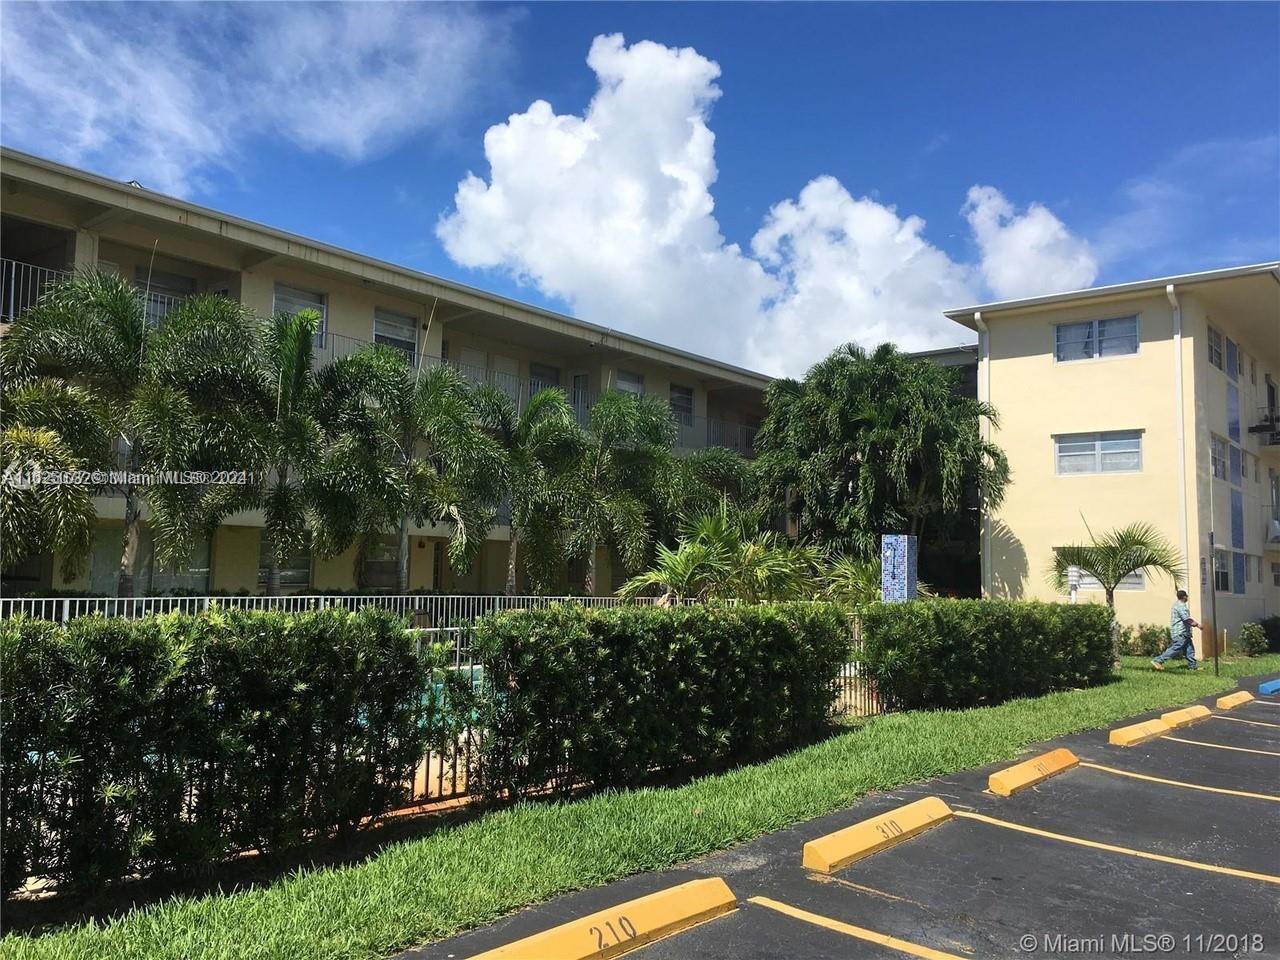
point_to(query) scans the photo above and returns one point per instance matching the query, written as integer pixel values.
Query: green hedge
(172, 741)
(963, 653)
(610, 697)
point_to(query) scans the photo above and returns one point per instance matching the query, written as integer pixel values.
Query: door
(579, 396)
(471, 363)
(506, 375)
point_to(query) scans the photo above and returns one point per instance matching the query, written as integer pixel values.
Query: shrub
(1271, 627)
(166, 743)
(962, 653)
(610, 697)
(1145, 640)
(1252, 640)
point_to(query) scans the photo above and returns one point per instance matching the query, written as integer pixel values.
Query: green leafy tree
(542, 443)
(873, 443)
(1112, 556)
(626, 446)
(409, 446)
(160, 388)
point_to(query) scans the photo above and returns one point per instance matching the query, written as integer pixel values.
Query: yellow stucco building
(1150, 401)
(57, 218)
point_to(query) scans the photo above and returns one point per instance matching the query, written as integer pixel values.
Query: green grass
(460, 877)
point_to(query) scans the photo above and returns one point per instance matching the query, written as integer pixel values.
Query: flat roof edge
(11, 155)
(959, 314)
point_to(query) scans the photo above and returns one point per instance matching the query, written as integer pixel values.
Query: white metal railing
(423, 610)
(21, 285)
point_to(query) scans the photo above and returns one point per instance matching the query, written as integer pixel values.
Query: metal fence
(443, 773)
(422, 610)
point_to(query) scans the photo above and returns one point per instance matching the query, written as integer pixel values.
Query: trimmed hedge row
(610, 697)
(964, 653)
(137, 746)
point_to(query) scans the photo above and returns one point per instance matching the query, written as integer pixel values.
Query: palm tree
(1113, 556)
(416, 440)
(159, 388)
(542, 442)
(724, 555)
(627, 444)
(288, 445)
(55, 426)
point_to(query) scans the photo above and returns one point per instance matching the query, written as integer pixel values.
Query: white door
(472, 364)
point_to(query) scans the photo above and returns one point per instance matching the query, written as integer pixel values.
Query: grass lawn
(463, 876)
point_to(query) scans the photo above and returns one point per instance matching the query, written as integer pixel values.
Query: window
(1253, 371)
(1275, 573)
(1215, 348)
(398, 331)
(378, 563)
(1115, 452)
(1218, 456)
(1134, 581)
(1222, 571)
(542, 375)
(682, 404)
(1096, 338)
(632, 383)
(291, 300)
(295, 571)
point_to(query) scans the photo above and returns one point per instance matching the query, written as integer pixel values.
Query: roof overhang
(1118, 291)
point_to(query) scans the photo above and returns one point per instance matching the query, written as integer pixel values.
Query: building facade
(57, 218)
(1152, 401)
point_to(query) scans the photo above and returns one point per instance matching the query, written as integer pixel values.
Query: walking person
(1180, 624)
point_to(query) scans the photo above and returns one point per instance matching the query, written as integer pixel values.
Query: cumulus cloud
(612, 212)
(1024, 254)
(166, 93)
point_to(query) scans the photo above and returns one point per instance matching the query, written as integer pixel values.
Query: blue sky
(757, 182)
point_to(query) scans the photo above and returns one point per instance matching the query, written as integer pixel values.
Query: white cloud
(165, 93)
(612, 212)
(1029, 253)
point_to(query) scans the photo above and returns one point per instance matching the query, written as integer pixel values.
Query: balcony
(22, 285)
(1266, 426)
(692, 432)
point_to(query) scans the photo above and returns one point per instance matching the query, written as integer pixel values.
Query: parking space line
(1179, 783)
(626, 926)
(862, 933)
(1111, 848)
(1256, 723)
(1223, 746)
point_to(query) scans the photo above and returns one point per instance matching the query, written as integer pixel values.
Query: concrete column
(85, 250)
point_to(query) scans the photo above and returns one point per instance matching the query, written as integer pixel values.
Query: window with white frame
(1275, 573)
(398, 331)
(629, 382)
(1096, 338)
(1132, 581)
(291, 300)
(1215, 348)
(682, 404)
(1222, 571)
(1117, 451)
(1218, 456)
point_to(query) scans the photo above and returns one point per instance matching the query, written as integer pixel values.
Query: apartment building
(57, 218)
(1151, 401)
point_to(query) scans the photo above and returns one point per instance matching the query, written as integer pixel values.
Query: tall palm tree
(288, 441)
(154, 385)
(416, 439)
(1111, 557)
(627, 444)
(542, 442)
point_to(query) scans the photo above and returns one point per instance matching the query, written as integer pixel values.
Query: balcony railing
(1266, 426)
(21, 285)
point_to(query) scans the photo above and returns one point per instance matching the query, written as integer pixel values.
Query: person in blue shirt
(1180, 624)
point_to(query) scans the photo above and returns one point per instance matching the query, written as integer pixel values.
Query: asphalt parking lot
(1170, 847)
